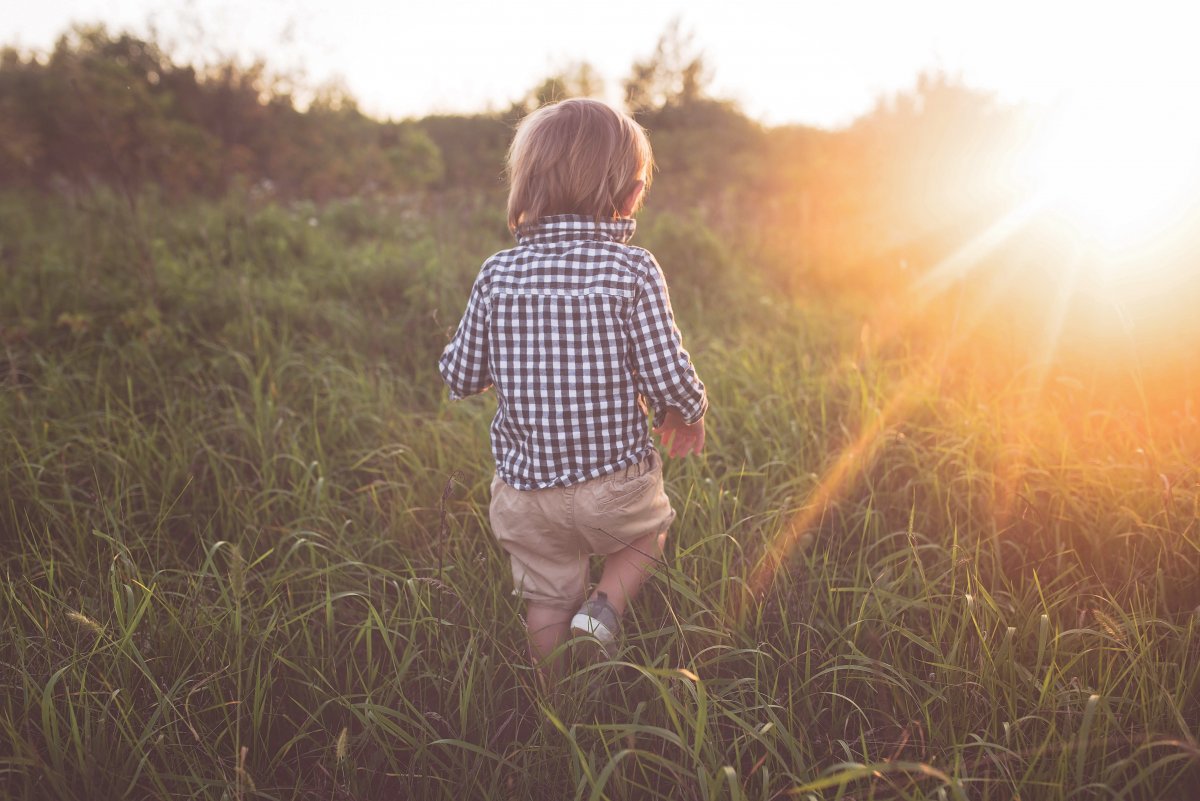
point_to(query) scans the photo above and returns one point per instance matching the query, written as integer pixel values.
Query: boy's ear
(631, 200)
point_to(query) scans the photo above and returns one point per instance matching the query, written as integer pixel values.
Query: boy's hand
(679, 438)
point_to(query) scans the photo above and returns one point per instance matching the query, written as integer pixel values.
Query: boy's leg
(533, 529)
(625, 571)
(548, 628)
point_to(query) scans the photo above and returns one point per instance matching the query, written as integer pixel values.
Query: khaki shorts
(550, 533)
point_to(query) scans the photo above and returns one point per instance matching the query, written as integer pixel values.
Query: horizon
(846, 68)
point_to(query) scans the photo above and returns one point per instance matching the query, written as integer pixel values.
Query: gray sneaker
(597, 618)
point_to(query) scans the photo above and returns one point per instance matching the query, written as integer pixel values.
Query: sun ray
(1055, 323)
(848, 464)
(851, 460)
(970, 256)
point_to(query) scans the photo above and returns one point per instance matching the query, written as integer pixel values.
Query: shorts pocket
(620, 492)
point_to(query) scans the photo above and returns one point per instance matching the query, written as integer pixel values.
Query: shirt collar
(575, 227)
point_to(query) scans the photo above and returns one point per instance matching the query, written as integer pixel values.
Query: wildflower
(86, 622)
(341, 749)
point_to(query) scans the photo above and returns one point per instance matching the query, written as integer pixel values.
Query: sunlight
(966, 259)
(848, 465)
(1120, 168)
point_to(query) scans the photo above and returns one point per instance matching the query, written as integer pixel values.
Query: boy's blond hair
(576, 156)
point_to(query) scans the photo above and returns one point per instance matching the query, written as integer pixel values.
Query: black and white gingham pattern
(572, 326)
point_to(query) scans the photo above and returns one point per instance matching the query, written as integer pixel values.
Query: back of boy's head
(577, 156)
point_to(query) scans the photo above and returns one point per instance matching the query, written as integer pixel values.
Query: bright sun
(1104, 230)
(1123, 171)
(1117, 175)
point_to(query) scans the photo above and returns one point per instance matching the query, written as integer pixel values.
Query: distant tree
(578, 80)
(472, 148)
(101, 113)
(21, 150)
(911, 179)
(931, 149)
(676, 73)
(709, 156)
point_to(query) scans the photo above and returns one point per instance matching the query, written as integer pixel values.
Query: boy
(574, 329)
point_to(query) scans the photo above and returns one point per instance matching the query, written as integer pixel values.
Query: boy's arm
(464, 362)
(664, 371)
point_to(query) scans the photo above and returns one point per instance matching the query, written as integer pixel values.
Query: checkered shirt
(574, 329)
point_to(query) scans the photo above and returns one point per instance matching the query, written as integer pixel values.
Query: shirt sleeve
(464, 362)
(663, 370)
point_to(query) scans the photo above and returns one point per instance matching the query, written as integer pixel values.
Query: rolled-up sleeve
(662, 368)
(464, 362)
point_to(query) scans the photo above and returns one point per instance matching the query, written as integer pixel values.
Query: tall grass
(246, 553)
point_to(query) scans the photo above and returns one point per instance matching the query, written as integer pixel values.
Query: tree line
(105, 109)
(115, 109)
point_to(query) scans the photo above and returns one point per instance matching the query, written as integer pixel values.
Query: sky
(815, 62)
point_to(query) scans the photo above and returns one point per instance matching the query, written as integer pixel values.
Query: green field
(246, 550)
